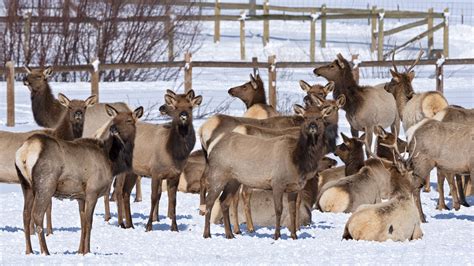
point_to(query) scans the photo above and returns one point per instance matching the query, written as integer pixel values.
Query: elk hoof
(174, 228)
(251, 230)
(149, 227)
(465, 204)
(138, 199)
(427, 189)
(457, 207)
(238, 232)
(107, 218)
(294, 237)
(206, 235)
(277, 236)
(442, 207)
(229, 236)
(122, 225)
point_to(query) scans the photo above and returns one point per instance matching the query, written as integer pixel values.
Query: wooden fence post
(255, 66)
(242, 35)
(446, 32)
(10, 76)
(430, 34)
(272, 81)
(374, 29)
(355, 67)
(188, 72)
(439, 72)
(217, 21)
(266, 24)
(323, 26)
(169, 27)
(312, 42)
(380, 36)
(95, 76)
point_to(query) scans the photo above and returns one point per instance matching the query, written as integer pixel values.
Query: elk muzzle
(312, 128)
(78, 115)
(183, 117)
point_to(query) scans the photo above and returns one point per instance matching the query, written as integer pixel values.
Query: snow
(448, 235)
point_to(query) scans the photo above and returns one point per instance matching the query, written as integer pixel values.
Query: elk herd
(263, 168)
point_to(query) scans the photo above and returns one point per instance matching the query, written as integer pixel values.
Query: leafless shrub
(206, 110)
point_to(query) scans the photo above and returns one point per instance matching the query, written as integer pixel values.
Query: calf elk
(82, 169)
(265, 167)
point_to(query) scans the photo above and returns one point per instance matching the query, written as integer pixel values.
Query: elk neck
(307, 153)
(45, 106)
(120, 155)
(348, 86)
(355, 161)
(258, 97)
(67, 130)
(181, 140)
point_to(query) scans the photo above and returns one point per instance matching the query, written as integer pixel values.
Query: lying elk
(368, 186)
(252, 93)
(47, 111)
(266, 167)
(82, 169)
(395, 219)
(455, 155)
(69, 127)
(366, 107)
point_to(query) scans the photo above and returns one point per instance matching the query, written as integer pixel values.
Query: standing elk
(82, 169)
(366, 107)
(395, 219)
(70, 127)
(455, 155)
(265, 167)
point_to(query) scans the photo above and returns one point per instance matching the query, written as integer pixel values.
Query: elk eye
(129, 121)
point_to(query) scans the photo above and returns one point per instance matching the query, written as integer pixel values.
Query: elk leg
(460, 189)
(454, 194)
(417, 196)
(138, 189)
(469, 184)
(113, 197)
(235, 212)
(28, 197)
(441, 203)
(211, 197)
(107, 204)
(49, 223)
(369, 132)
(354, 132)
(156, 216)
(118, 189)
(155, 186)
(292, 197)
(427, 187)
(172, 184)
(127, 190)
(278, 203)
(230, 190)
(297, 211)
(83, 225)
(246, 195)
(89, 215)
(202, 192)
(39, 208)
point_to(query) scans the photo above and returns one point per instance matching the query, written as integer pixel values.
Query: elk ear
(326, 111)
(411, 75)
(345, 139)
(63, 100)
(361, 138)
(28, 69)
(137, 113)
(47, 72)
(305, 86)
(110, 110)
(395, 76)
(253, 82)
(170, 100)
(197, 101)
(91, 100)
(340, 101)
(299, 110)
(340, 60)
(329, 87)
(316, 100)
(171, 93)
(379, 131)
(190, 95)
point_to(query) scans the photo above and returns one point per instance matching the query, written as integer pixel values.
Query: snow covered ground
(448, 235)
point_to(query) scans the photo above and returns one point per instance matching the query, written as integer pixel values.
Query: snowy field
(448, 235)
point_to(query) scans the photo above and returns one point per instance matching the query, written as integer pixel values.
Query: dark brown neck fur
(47, 111)
(121, 156)
(259, 96)
(348, 86)
(307, 154)
(356, 159)
(181, 142)
(67, 130)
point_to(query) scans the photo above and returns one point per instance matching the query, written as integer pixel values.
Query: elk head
(250, 92)
(313, 125)
(180, 106)
(348, 147)
(316, 89)
(37, 79)
(388, 141)
(338, 71)
(331, 106)
(76, 110)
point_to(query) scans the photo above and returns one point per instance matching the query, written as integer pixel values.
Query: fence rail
(9, 71)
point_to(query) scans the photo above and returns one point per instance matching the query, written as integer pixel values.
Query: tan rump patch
(334, 199)
(256, 112)
(206, 130)
(26, 157)
(432, 104)
(214, 142)
(241, 129)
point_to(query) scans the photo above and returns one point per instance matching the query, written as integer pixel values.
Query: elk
(366, 107)
(316, 89)
(265, 167)
(70, 127)
(252, 93)
(81, 169)
(368, 186)
(456, 155)
(47, 110)
(395, 219)
(386, 142)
